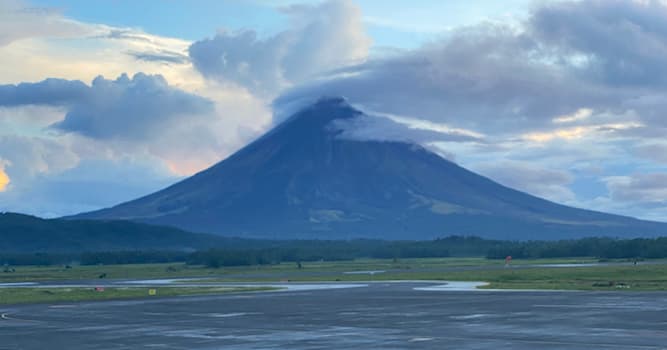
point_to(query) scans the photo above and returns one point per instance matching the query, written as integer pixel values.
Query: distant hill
(23, 233)
(303, 180)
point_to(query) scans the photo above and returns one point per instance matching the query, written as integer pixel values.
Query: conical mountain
(303, 180)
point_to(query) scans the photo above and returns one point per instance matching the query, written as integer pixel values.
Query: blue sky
(404, 24)
(174, 18)
(561, 99)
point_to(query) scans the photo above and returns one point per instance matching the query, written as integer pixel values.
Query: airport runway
(366, 316)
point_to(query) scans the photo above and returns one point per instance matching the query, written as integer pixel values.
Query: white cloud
(580, 114)
(30, 119)
(89, 185)
(320, 38)
(39, 161)
(552, 184)
(97, 53)
(655, 151)
(19, 21)
(502, 79)
(578, 132)
(644, 188)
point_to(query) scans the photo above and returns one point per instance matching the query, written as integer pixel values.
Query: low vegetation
(603, 278)
(55, 295)
(581, 273)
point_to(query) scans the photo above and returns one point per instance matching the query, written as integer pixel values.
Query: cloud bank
(121, 108)
(320, 38)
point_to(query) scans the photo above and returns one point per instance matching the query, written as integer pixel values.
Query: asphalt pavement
(406, 315)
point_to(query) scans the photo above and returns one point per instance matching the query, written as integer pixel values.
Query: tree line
(274, 252)
(603, 248)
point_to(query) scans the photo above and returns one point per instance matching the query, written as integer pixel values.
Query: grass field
(54, 295)
(175, 270)
(638, 278)
(523, 274)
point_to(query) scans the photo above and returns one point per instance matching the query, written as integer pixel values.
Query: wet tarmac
(407, 315)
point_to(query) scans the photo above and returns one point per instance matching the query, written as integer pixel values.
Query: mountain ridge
(21, 233)
(303, 180)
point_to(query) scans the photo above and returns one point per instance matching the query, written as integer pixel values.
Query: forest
(261, 252)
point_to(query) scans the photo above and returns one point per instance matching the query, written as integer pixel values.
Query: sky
(102, 102)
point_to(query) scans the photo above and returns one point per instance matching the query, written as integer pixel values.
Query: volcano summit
(304, 179)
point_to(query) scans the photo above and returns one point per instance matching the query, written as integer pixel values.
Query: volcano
(304, 180)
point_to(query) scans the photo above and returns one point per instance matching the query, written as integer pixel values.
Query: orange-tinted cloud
(4, 180)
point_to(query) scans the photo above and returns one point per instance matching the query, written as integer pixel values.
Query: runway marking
(233, 314)
(369, 272)
(17, 284)
(598, 306)
(6, 317)
(470, 317)
(592, 345)
(420, 339)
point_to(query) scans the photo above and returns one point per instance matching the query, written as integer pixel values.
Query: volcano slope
(304, 179)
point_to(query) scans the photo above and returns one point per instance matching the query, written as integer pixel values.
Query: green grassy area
(650, 277)
(640, 278)
(55, 295)
(179, 270)
(135, 271)
(519, 276)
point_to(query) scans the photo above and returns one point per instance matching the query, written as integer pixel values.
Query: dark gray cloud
(618, 42)
(641, 188)
(607, 56)
(532, 178)
(128, 108)
(240, 58)
(125, 34)
(50, 92)
(483, 78)
(653, 151)
(163, 56)
(321, 37)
